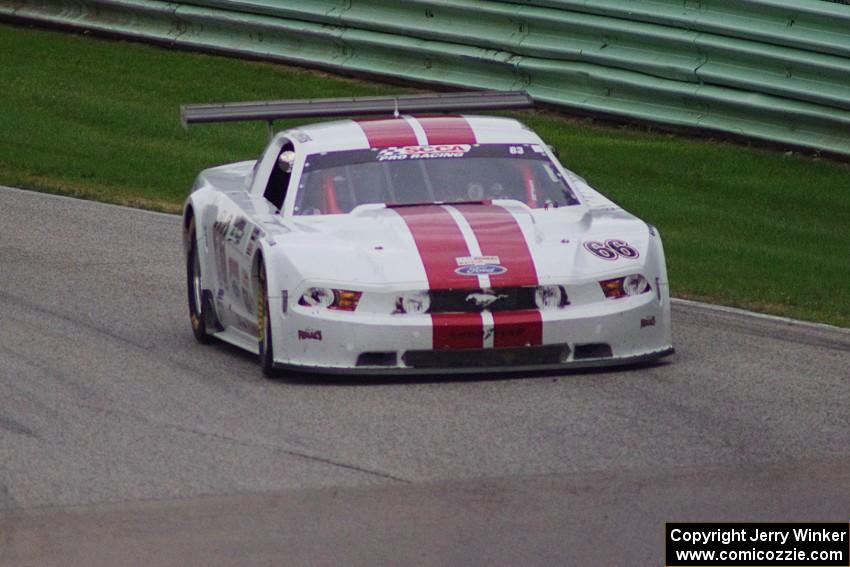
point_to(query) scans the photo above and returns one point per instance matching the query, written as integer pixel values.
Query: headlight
(337, 299)
(414, 302)
(550, 297)
(317, 297)
(634, 284)
(345, 300)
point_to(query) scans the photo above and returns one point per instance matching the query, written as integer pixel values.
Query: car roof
(366, 133)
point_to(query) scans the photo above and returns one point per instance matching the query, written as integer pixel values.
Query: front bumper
(398, 370)
(610, 333)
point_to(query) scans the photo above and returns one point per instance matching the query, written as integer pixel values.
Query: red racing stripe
(440, 242)
(517, 328)
(388, 132)
(457, 330)
(499, 234)
(447, 130)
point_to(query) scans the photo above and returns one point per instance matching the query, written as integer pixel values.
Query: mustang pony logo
(483, 300)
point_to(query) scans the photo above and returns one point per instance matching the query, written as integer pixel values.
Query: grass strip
(746, 227)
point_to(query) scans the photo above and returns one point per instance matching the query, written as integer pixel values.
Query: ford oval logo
(481, 270)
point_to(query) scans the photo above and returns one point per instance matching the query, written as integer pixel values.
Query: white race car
(427, 243)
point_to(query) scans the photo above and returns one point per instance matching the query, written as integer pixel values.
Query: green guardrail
(763, 69)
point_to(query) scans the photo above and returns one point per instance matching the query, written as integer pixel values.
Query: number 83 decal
(611, 249)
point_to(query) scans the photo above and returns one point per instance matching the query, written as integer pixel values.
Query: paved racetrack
(123, 441)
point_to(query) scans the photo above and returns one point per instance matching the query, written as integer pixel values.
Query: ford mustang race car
(416, 241)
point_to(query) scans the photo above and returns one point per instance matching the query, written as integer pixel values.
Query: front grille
(377, 359)
(593, 350)
(473, 358)
(476, 300)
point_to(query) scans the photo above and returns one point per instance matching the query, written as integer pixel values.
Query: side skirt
(239, 339)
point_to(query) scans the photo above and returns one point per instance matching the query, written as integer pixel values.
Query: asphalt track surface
(124, 442)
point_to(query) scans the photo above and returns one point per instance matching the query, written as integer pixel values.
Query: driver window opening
(279, 179)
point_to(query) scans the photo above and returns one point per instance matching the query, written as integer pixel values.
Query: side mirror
(554, 150)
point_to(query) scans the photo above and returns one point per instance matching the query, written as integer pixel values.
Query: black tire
(264, 329)
(197, 311)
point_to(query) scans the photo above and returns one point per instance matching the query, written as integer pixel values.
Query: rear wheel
(264, 327)
(197, 312)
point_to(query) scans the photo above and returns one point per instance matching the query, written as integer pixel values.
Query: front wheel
(264, 327)
(197, 312)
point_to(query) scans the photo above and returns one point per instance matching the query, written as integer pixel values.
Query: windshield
(336, 182)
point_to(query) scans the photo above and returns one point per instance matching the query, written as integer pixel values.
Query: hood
(461, 246)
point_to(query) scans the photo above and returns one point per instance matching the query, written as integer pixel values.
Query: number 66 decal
(611, 249)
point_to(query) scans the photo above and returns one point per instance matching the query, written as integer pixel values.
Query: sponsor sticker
(477, 260)
(309, 335)
(423, 152)
(612, 249)
(481, 270)
(252, 241)
(247, 300)
(233, 268)
(237, 231)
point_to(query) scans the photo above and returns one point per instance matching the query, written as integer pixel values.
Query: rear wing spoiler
(361, 106)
